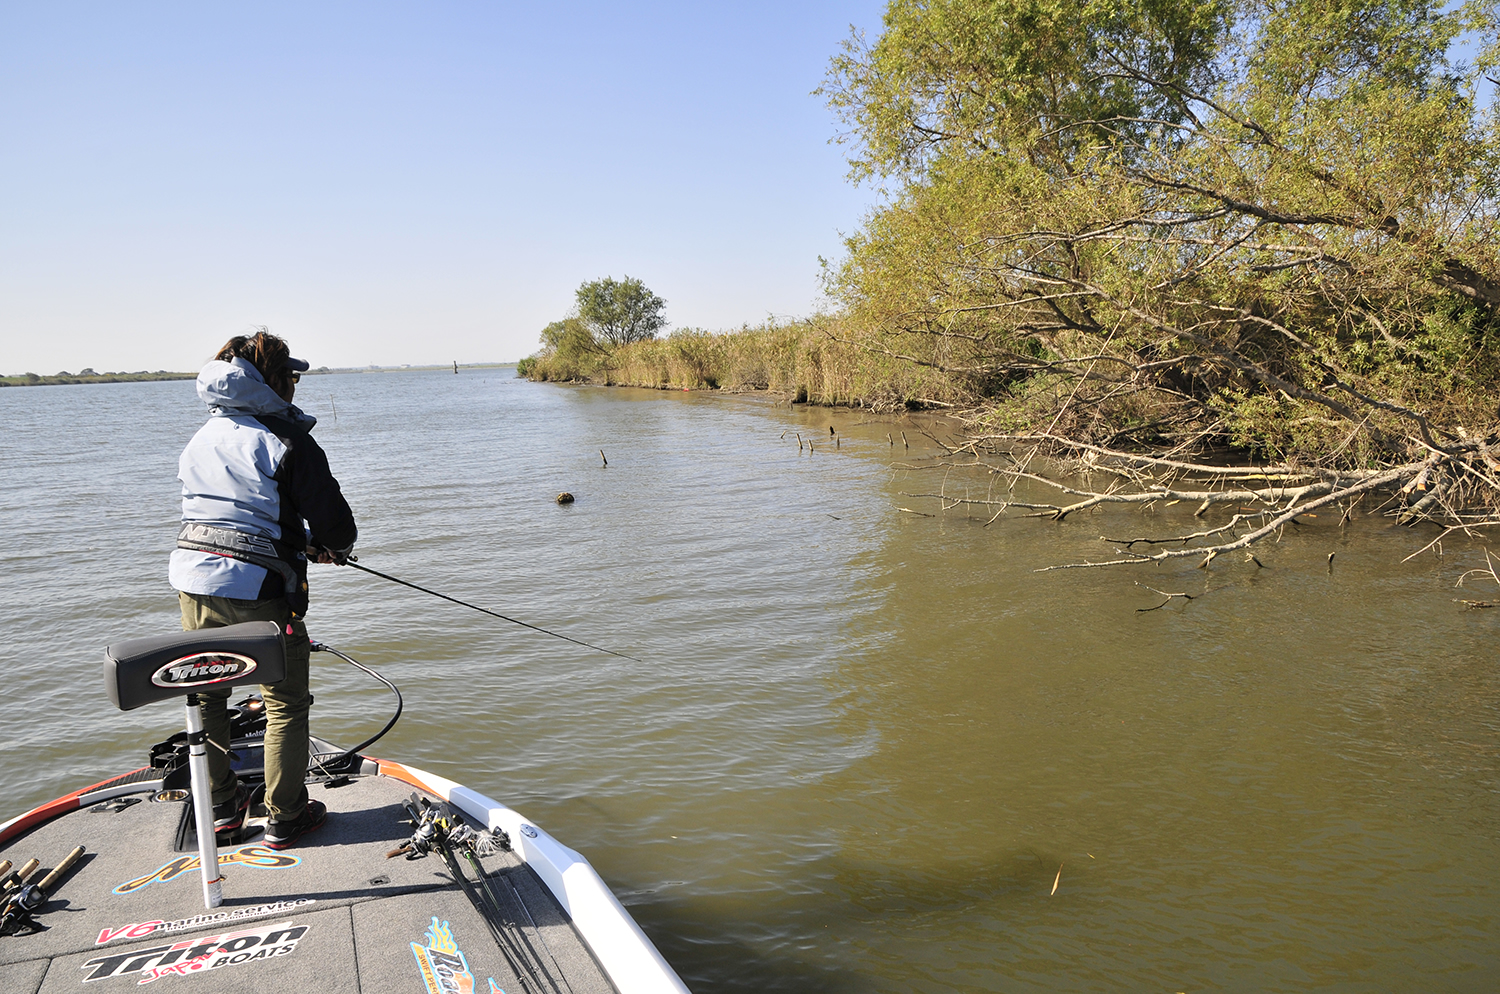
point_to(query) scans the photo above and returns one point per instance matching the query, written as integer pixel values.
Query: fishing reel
(437, 828)
(17, 917)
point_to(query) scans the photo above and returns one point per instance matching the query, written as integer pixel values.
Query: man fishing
(250, 479)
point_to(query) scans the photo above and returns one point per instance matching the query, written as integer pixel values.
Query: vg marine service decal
(190, 956)
(139, 930)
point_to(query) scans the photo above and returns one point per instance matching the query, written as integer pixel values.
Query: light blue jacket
(228, 475)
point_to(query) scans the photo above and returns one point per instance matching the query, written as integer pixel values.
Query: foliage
(620, 312)
(89, 376)
(810, 361)
(1269, 224)
(609, 315)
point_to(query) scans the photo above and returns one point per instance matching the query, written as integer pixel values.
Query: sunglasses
(296, 377)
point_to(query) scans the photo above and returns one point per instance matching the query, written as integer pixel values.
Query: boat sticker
(191, 956)
(254, 854)
(203, 668)
(139, 930)
(445, 969)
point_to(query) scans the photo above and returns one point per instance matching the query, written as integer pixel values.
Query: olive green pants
(287, 704)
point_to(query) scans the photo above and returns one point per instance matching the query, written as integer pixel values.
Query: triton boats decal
(139, 930)
(254, 854)
(203, 668)
(191, 956)
(445, 968)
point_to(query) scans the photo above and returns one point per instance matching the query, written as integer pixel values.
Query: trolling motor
(146, 670)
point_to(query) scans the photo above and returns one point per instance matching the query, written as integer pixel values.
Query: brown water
(863, 742)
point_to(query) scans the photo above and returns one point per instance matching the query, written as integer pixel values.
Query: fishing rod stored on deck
(483, 610)
(439, 830)
(28, 899)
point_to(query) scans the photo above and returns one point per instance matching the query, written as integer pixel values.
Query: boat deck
(332, 914)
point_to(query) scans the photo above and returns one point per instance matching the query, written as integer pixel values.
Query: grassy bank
(818, 361)
(89, 376)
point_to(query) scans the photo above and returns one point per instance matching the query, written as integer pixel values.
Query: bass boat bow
(415, 883)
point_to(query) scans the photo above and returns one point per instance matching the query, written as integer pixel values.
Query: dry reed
(818, 361)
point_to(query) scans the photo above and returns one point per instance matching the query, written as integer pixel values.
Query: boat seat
(143, 671)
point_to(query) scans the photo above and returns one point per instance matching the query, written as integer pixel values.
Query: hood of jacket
(236, 389)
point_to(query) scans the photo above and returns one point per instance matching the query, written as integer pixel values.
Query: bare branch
(1169, 598)
(1270, 527)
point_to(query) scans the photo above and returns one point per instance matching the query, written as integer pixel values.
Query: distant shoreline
(89, 376)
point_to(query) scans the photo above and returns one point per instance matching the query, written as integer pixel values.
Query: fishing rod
(27, 900)
(438, 830)
(484, 610)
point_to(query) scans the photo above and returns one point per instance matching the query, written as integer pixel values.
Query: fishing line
(485, 610)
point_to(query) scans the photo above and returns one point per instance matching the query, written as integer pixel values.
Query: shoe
(229, 816)
(281, 834)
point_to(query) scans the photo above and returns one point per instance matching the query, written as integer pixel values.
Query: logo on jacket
(203, 668)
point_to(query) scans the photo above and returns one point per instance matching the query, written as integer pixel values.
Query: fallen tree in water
(1456, 486)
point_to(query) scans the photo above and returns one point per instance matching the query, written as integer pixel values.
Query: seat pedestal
(146, 670)
(203, 806)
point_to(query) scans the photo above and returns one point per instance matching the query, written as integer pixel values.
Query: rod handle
(22, 875)
(57, 872)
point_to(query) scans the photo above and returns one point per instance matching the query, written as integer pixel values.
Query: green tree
(569, 352)
(620, 312)
(570, 336)
(1188, 224)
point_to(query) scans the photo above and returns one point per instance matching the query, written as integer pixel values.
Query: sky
(386, 183)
